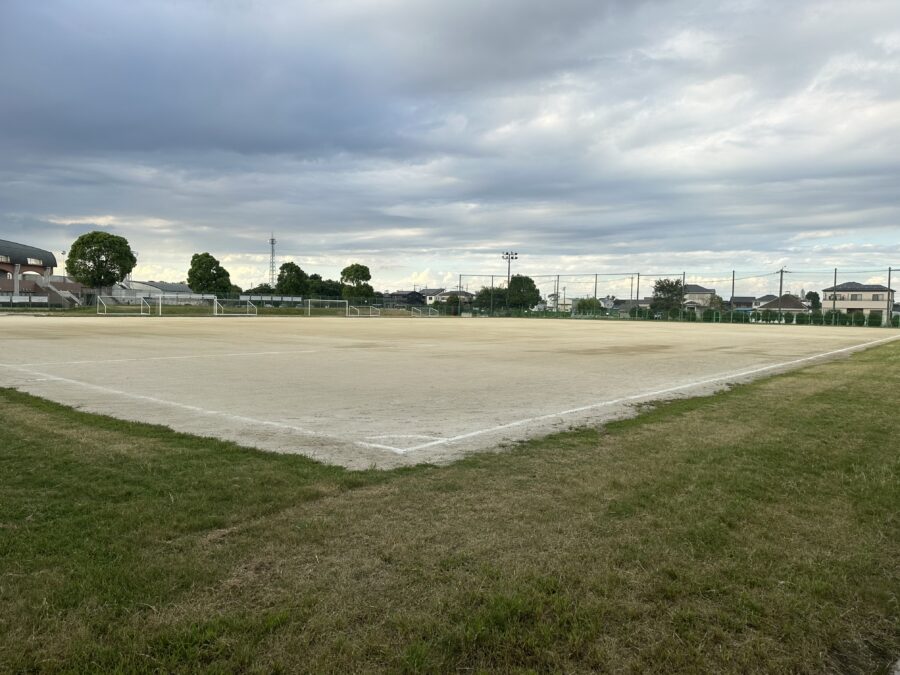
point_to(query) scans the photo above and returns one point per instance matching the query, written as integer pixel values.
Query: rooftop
(855, 286)
(20, 254)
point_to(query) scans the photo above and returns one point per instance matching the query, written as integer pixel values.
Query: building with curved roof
(26, 258)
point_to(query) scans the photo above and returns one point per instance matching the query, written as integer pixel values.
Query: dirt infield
(390, 392)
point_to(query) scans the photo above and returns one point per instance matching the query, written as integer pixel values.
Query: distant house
(430, 294)
(759, 302)
(742, 302)
(697, 296)
(787, 304)
(414, 298)
(852, 297)
(454, 296)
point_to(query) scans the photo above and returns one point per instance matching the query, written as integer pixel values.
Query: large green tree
(355, 277)
(523, 293)
(668, 294)
(324, 288)
(207, 275)
(99, 259)
(292, 280)
(483, 299)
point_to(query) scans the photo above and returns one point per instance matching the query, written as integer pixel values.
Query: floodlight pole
(509, 256)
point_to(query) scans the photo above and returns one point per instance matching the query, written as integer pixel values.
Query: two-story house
(852, 297)
(697, 296)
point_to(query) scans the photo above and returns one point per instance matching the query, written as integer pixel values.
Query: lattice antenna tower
(272, 243)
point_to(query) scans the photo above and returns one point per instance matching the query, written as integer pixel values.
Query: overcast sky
(424, 138)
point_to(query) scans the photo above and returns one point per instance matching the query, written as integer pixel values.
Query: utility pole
(732, 297)
(509, 256)
(780, 289)
(595, 287)
(890, 302)
(272, 243)
(681, 309)
(834, 295)
(638, 292)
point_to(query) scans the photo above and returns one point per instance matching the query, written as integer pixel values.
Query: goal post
(113, 305)
(423, 312)
(327, 307)
(186, 305)
(365, 310)
(234, 308)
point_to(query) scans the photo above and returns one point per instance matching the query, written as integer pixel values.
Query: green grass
(751, 531)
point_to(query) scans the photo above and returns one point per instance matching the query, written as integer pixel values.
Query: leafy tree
(292, 280)
(667, 294)
(716, 302)
(355, 277)
(813, 299)
(589, 306)
(482, 298)
(262, 289)
(360, 291)
(324, 288)
(355, 274)
(523, 293)
(98, 259)
(207, 275)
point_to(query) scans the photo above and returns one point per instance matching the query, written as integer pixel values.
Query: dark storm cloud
(737, 130)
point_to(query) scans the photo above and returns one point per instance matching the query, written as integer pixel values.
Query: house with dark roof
(853, 297)
(698, 296)
(430, 294)
(742, 303)
(786, 304)
(412, 298)
(760, 301)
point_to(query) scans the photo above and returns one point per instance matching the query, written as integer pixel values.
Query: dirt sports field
(389, 392)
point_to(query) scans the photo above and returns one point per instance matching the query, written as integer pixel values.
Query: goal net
(365, 310)
(123, 306)
(327, 308)
(186, 305)
(423, 312)
(234, 308)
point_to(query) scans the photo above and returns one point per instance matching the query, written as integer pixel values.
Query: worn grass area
(755, 530)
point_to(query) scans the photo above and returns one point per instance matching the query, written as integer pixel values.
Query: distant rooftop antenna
(272, 243)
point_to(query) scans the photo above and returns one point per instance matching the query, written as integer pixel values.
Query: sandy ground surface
(390, 392)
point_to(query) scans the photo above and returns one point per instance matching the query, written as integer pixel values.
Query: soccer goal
(365, 310)
(234, 308)
(123, 306)
(327, 308)
(423, 312)
(186, 305)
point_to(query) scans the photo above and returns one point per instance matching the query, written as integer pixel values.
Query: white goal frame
(209, 303)
(242, 307)
(364, 310)
(144, 309)
(338, 303)
(417, 312)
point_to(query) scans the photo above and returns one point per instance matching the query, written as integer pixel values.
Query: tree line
(100, 259)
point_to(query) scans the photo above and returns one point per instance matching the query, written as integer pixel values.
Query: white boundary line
(650, 394)
(160, 358)
(443, 441)
(164, 402)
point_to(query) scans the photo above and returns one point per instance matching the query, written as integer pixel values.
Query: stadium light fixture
(509, 256)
